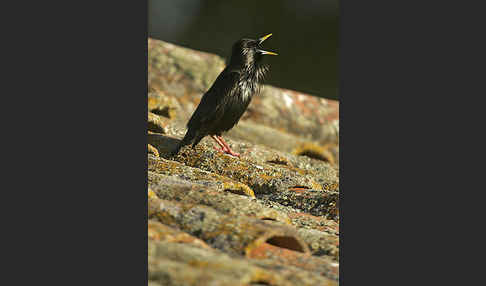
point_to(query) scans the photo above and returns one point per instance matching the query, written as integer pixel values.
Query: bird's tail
(188, 138)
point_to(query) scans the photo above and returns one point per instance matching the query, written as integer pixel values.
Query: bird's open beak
(260, 40)
(264, 38)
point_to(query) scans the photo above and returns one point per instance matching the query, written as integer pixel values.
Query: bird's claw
(232, 153)
(226, 151)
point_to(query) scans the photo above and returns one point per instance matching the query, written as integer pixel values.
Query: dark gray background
(305, 35)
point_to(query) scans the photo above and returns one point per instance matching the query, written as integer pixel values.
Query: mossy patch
(238, 188)
(152, 150)
(315, 151)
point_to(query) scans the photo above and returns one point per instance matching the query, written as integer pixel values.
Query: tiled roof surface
(270, 217)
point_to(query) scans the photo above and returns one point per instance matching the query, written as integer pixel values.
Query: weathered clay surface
(282, 141)
(230, 233)
(263, 179)
(315, 202)
(270, 217)
(178, 264)
(222, 196)
(155, 123)
(151, 150)
(160, 104)
(159, 166)
(161, 232)
(300, 114)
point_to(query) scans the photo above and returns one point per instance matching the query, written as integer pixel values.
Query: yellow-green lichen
(151, 194)
(238, 188)
(314, 151)
(152, 150)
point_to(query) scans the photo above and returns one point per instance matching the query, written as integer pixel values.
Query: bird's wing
(211, 107)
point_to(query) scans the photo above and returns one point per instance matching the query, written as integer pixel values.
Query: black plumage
(222, 106)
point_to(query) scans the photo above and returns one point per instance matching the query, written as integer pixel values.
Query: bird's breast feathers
(246, 89)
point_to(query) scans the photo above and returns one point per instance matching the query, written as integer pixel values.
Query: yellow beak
(266, 52)
(264, 38)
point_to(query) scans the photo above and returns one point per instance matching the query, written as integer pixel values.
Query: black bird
(222, 106)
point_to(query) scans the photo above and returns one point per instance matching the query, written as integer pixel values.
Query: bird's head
(248, 52)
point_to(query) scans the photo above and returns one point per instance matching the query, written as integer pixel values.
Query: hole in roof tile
(278, 162)
(268, 218)
(314, 155)
(287, 242)
(162, 111)
(314, 151)
(299, 188)
(259, 283)
(155, 128)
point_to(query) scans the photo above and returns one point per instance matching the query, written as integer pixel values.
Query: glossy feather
(222, 106)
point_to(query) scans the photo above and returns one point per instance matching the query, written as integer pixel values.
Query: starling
(222, 106)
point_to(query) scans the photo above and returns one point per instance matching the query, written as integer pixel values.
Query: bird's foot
(226, 151)
(220, 150)
(232, 153)
(225, 148)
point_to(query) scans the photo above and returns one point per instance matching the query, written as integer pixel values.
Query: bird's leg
(223, 148)
(228, 148)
